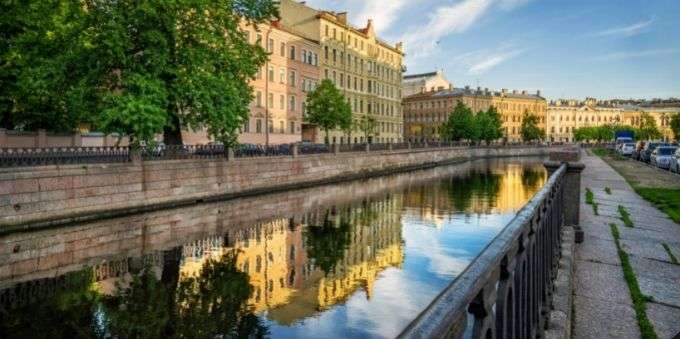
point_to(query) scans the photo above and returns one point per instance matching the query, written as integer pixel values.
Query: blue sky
(565, 48)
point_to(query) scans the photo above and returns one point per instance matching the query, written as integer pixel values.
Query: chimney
(504, 90)
(514, 91)
(479, 89)
(342, 17)
(524, 92)
(538, 93)
(467, 88)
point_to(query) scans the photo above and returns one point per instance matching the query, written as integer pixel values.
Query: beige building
(564, 116)
(425, 112)
(420, 83)
(366, 69)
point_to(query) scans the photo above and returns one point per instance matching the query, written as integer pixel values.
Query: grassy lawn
(667, 200)
(658, 187)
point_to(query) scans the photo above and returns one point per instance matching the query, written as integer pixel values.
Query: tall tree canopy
(529, 129)
(460, 125)
(134, 67)
(327, 108)
(488, 125)
(648, 129)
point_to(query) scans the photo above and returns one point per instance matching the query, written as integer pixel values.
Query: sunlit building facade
(426, 112)
(365, 68)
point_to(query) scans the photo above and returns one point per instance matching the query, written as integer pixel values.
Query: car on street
(627, 149)
(675, 162)
(662, 156)
(646, 153)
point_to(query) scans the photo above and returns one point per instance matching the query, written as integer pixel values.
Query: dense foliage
(647, 131)
(675, 126)
(368, 126)
(328, 109)
(529, 129)
(464, 125)
(134, 67)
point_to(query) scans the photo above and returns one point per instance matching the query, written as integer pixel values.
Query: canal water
(353, 260)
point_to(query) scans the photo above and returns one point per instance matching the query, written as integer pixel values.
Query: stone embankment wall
(33, 197)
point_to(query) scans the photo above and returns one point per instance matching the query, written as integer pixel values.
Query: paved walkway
(603, 307)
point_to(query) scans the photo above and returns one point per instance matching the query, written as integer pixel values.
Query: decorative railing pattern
(19, 157)
(506, 291)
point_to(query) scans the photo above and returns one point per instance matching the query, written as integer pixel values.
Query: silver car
(662, 156)
(627, 149)
(675, 162)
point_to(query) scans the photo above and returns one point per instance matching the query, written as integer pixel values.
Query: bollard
(294, 150)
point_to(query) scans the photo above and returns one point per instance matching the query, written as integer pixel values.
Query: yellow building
(564, 116)
(632, 115)
(425, 112)
(366, 69)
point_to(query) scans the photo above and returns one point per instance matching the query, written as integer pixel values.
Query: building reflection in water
(281, 271)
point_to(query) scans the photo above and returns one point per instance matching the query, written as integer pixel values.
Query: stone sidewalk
(602, 302)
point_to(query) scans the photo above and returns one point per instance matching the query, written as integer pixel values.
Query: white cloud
(457, 18)
(636, 54)
(383, 13)
(627, 31)
(493, 60)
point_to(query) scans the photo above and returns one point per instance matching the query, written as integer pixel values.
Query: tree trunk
(172, 133)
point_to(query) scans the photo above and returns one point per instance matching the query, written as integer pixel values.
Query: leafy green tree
(648, 129)
(139, 68)
(529, 129)
(327, 108)
(675, 125)
(44, 80)
(488, 125)
(368, 126)
(460, 124)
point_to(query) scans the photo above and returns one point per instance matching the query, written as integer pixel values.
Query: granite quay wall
(34, 197)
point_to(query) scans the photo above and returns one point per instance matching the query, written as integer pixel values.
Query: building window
(271, 74)
(282, 50)
(258, 126)
(292, 127)
(304, 56)
(258, 39)
(291, 103)
(282, 76)
(270, 100)
(282, 100)
(258, 99)
(292, 78)
(246, 126)
(270, 46)
(292, 52)
(282, 128)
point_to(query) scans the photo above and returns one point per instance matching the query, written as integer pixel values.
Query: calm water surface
(360, 259)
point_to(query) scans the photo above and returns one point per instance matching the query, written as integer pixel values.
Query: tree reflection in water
(532, 178)
(211, 304)
(62, 308)
(476, 186)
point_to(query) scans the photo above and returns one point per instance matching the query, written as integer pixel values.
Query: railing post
(336, 149)
(229, 153)
(77, 139)
(368, 147)
(389, 146)
(572, 185)
(3, 137)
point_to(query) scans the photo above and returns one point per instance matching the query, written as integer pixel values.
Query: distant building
(564, 116)
(420, 83)
(365, 68)
(425, 112)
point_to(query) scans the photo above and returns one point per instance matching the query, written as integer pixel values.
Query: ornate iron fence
(170, 152)
(505, 292)
(18, 157)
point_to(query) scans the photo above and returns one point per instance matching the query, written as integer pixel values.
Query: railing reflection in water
(505, 291)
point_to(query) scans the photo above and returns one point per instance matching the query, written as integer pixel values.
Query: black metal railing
(505, 292)
(19, 157)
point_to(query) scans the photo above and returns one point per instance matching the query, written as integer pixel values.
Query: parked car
(662, 156)
(627, 149)
(639, 146)
(646, 153)
(675, 162)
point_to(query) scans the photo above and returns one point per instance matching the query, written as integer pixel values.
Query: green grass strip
(670, 254)
(608, 190)
(590, 200)
(639, 299)
(625, 217)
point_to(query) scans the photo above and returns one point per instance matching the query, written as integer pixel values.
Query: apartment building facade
(426, 112)
(366, 69)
